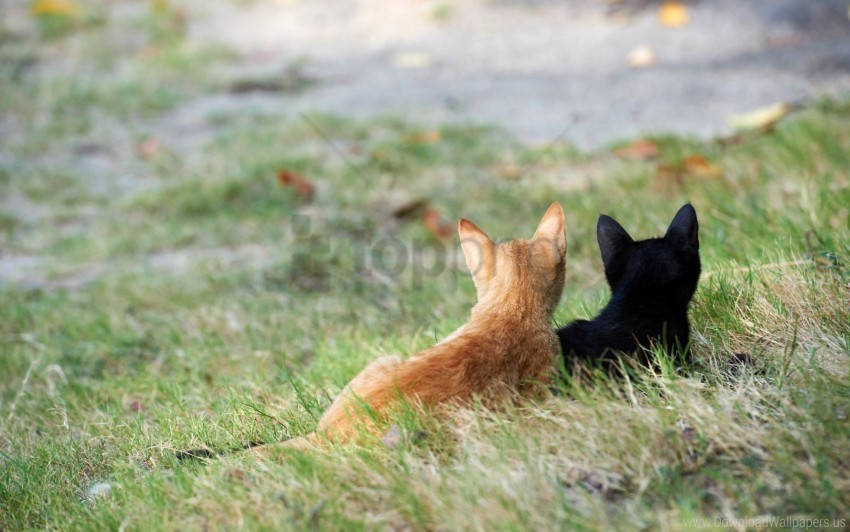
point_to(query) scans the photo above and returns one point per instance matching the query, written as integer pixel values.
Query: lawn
(162, 289)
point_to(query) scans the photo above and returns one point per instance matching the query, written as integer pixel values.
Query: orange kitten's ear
(552, 229)
(480, 253)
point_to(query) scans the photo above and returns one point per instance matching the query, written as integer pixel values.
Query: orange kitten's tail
(206, 453)
(311, 441)
(301, 443)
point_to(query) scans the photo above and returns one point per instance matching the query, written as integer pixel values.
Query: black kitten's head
(657, 271)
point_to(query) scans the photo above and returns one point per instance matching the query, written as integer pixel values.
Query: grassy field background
(162, 290)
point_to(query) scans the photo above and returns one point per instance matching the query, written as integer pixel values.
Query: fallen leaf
(639, 149)
(66, 8)
(433, 222)
(287, 178)
(670, 178)
(411, 60)
(673, 14)
(699, 166)
(763, 118)
(641, 57)
(411, 209)
(425, 137)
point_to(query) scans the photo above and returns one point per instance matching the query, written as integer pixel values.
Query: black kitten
(652, 282)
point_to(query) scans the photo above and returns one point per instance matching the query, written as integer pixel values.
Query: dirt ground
(540, 69)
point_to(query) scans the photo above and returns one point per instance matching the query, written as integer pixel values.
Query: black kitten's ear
(612, 238)
(684, 228)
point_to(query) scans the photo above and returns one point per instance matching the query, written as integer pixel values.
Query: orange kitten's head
(529, 272)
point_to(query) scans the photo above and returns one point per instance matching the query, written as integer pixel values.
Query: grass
(181, 298)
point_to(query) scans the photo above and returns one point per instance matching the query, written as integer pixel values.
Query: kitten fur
(652, 282)
(507, 348)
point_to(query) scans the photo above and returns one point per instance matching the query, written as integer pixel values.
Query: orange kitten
(506, 348)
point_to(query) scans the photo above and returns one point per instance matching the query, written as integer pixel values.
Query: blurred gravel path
(535, 67)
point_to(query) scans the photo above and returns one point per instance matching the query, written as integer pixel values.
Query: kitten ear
(552, 229)
(684, 228)
(479, 251)
(612, 239)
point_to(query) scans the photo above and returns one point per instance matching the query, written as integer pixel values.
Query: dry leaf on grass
(639, 149)
(699, 166)
(410, 210)
(763, 118)
(673, 14)
(434, 223)
(287, 178)
(671, 178)
(420, 209)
